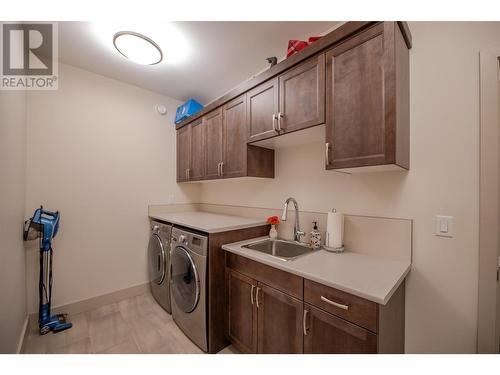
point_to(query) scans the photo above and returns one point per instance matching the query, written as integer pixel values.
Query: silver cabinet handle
(218, 169)
(257, 297)
(280, 116)
(327, 153)
(221, 168)
(339, 305)
(251, 293)
(304, 322)
(187, 174)
(274, 119)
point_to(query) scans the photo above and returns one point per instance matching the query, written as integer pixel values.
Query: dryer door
(156, 254)
(185, 284)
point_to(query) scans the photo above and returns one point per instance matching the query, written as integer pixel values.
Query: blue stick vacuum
(44, 225)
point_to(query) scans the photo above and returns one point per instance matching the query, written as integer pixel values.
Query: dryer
(159, 263)
(188, 284)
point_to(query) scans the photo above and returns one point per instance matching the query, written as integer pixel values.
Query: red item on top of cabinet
(312, 39)
(295, 45)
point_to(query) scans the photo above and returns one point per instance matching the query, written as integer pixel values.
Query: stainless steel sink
(285, 250)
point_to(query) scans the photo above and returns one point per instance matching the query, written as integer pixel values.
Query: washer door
(156, 254)
(185, 285)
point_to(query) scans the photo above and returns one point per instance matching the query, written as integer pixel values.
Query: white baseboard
(20, 342)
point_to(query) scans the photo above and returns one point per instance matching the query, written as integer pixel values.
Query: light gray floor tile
(77, 347)
(127, 347)
(108, 331)
(102, 311)
(134, 325)
(229, 350)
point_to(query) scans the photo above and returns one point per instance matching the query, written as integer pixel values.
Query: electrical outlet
(444, 226)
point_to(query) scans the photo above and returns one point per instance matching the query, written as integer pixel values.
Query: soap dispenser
(315, 236)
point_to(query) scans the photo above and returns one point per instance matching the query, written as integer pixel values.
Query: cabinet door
(262, 109)
(234, 138)
(355, 123)
(213, 130)
(242, 312)
(183, 153)
(302, 96)
(328, 334)
(197, 169)
(279, 322)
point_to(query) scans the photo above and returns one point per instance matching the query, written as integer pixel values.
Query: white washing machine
(188, 259)
(159, 263)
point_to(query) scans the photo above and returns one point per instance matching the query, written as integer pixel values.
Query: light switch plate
(444, 226)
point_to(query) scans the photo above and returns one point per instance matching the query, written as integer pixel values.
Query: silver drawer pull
(280, 116)
(304, 322)
(251, 293)
(274, 119)
(339, 305)
(257, 297)
(327, 153)
(221, 168)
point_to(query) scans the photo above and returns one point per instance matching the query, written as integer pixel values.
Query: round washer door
(156, 254)
(185, 285)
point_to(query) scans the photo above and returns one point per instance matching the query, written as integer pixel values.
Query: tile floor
(132, 326)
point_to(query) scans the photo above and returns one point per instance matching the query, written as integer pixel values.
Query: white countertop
(366, 276)
(209, 222)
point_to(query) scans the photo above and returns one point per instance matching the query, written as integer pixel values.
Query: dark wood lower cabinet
(327, 334)
(242, 312)
(279, 322)
(296, 315)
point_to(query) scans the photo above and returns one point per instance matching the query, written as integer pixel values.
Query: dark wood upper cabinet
(355, 80)
(241, 311)
(328, 334)
(212, 123)
(279, 322)
(262, 110)
(183, 153)
(198, 146)
(234, 162)
(302, 96)
(367, 94)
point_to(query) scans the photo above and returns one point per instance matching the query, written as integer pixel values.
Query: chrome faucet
(297, 233)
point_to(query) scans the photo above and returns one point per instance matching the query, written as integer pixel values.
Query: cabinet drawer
(351, 308)
(281, 280)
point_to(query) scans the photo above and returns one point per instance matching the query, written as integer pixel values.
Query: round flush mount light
(137, 48)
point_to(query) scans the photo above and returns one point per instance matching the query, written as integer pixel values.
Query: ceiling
(202, 60)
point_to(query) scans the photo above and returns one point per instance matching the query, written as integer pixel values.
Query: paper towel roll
(335, 229)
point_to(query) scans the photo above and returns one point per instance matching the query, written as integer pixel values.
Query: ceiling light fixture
(137, 48)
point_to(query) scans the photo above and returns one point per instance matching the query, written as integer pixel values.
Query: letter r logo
(27, 49)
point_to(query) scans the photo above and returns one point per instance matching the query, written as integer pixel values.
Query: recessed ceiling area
(201, 60)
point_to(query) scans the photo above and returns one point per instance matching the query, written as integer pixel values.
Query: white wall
(99, 153)
(12, 189)
(441, 299)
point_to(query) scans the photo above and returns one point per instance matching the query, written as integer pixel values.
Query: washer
(188, 284)
(159, 263)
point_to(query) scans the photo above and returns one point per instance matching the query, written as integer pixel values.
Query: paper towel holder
(332, 249)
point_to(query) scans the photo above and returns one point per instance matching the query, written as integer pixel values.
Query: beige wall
(100, 153)
(441, 304)
(12, 189)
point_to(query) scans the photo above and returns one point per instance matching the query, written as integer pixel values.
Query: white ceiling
(221, 54)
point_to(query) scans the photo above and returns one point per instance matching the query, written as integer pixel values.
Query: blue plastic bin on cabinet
(187, 109)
